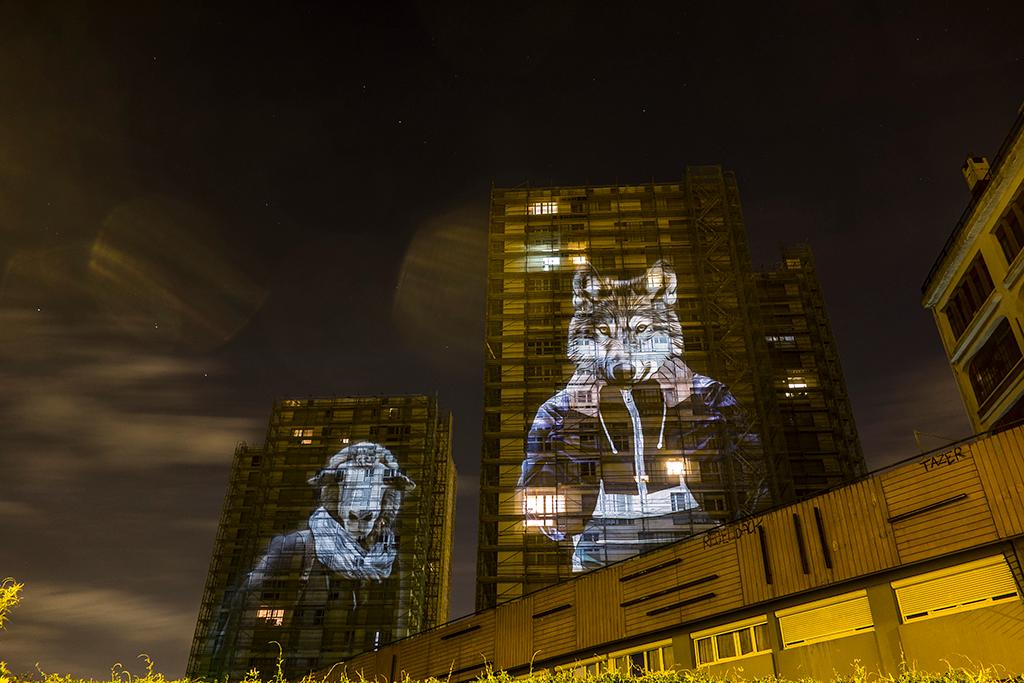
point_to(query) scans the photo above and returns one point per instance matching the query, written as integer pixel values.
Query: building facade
(630, 393)
(917, 566)
(820, 437)
(336, 537)
(975, 288)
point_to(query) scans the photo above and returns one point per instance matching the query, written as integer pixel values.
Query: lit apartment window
(274, 617)
(303, 435)
(731, 641)
(1010, 232)
(797, 387)
(968, 297)
(542, 208)
(551, 262)
(541, 510)
(836, 617)
(579, 260)
(956, 589)
(997, 359)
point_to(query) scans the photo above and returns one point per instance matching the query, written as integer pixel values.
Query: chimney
(975, 171)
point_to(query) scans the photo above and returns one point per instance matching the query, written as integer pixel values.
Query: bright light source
(274, 617)
(579, 260)
(542, 208)
(676, 467)
(541, 509)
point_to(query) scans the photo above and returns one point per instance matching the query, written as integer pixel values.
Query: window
(544, 347)
(781, 341)
(634, 661)
(273, 617)
(302, 436)
(682, 501)
(1010, 232)
(542, 208)
(542, 509)
(714, 503)
(731, 641)
(968, 297)
(956, 589)
(996, 360)
(836, 617)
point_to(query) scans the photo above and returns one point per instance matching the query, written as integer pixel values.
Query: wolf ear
(660, 281)
(585, 285)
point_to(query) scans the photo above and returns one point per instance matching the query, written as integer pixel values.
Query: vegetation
(9, 598)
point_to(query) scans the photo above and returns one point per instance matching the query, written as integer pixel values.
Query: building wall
(542, 241)
(918, 561)
(821, 442)
(997, 208)
(378, 471)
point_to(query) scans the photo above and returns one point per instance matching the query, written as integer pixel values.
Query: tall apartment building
(975, 287)
(821, 443)
(630, 393)
(336, 537)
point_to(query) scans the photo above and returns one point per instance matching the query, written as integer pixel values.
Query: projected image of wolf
(620, 459)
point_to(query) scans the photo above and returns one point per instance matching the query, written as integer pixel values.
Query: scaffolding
(372, 475)
(557, 496)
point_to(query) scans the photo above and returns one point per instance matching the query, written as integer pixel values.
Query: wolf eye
(604, 329)
(641, 327)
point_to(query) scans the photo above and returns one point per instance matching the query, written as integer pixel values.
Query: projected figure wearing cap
(613, 460)
(348, 547)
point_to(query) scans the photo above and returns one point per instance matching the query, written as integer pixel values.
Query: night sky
(205, 209)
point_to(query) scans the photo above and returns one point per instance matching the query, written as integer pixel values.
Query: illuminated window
(541, 510)
(303, 435)
(543, 208)
(551, 262)
(274, 617)
(579, 260)
(798, 387)
(956, 589)
(676, 467)
(836, 617)
(731, 641)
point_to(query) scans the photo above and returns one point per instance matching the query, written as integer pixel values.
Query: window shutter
(827, 619)
(959, 586)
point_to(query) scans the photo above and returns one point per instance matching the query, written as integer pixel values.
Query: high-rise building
(336, 537)
(821, 443)
(631, 389)
(975, 290)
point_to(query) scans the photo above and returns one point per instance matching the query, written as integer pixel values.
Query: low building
(917, 563)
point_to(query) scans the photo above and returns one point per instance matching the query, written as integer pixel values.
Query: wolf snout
(623, 373)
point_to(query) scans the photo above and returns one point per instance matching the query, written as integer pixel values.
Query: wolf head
(624, 330)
